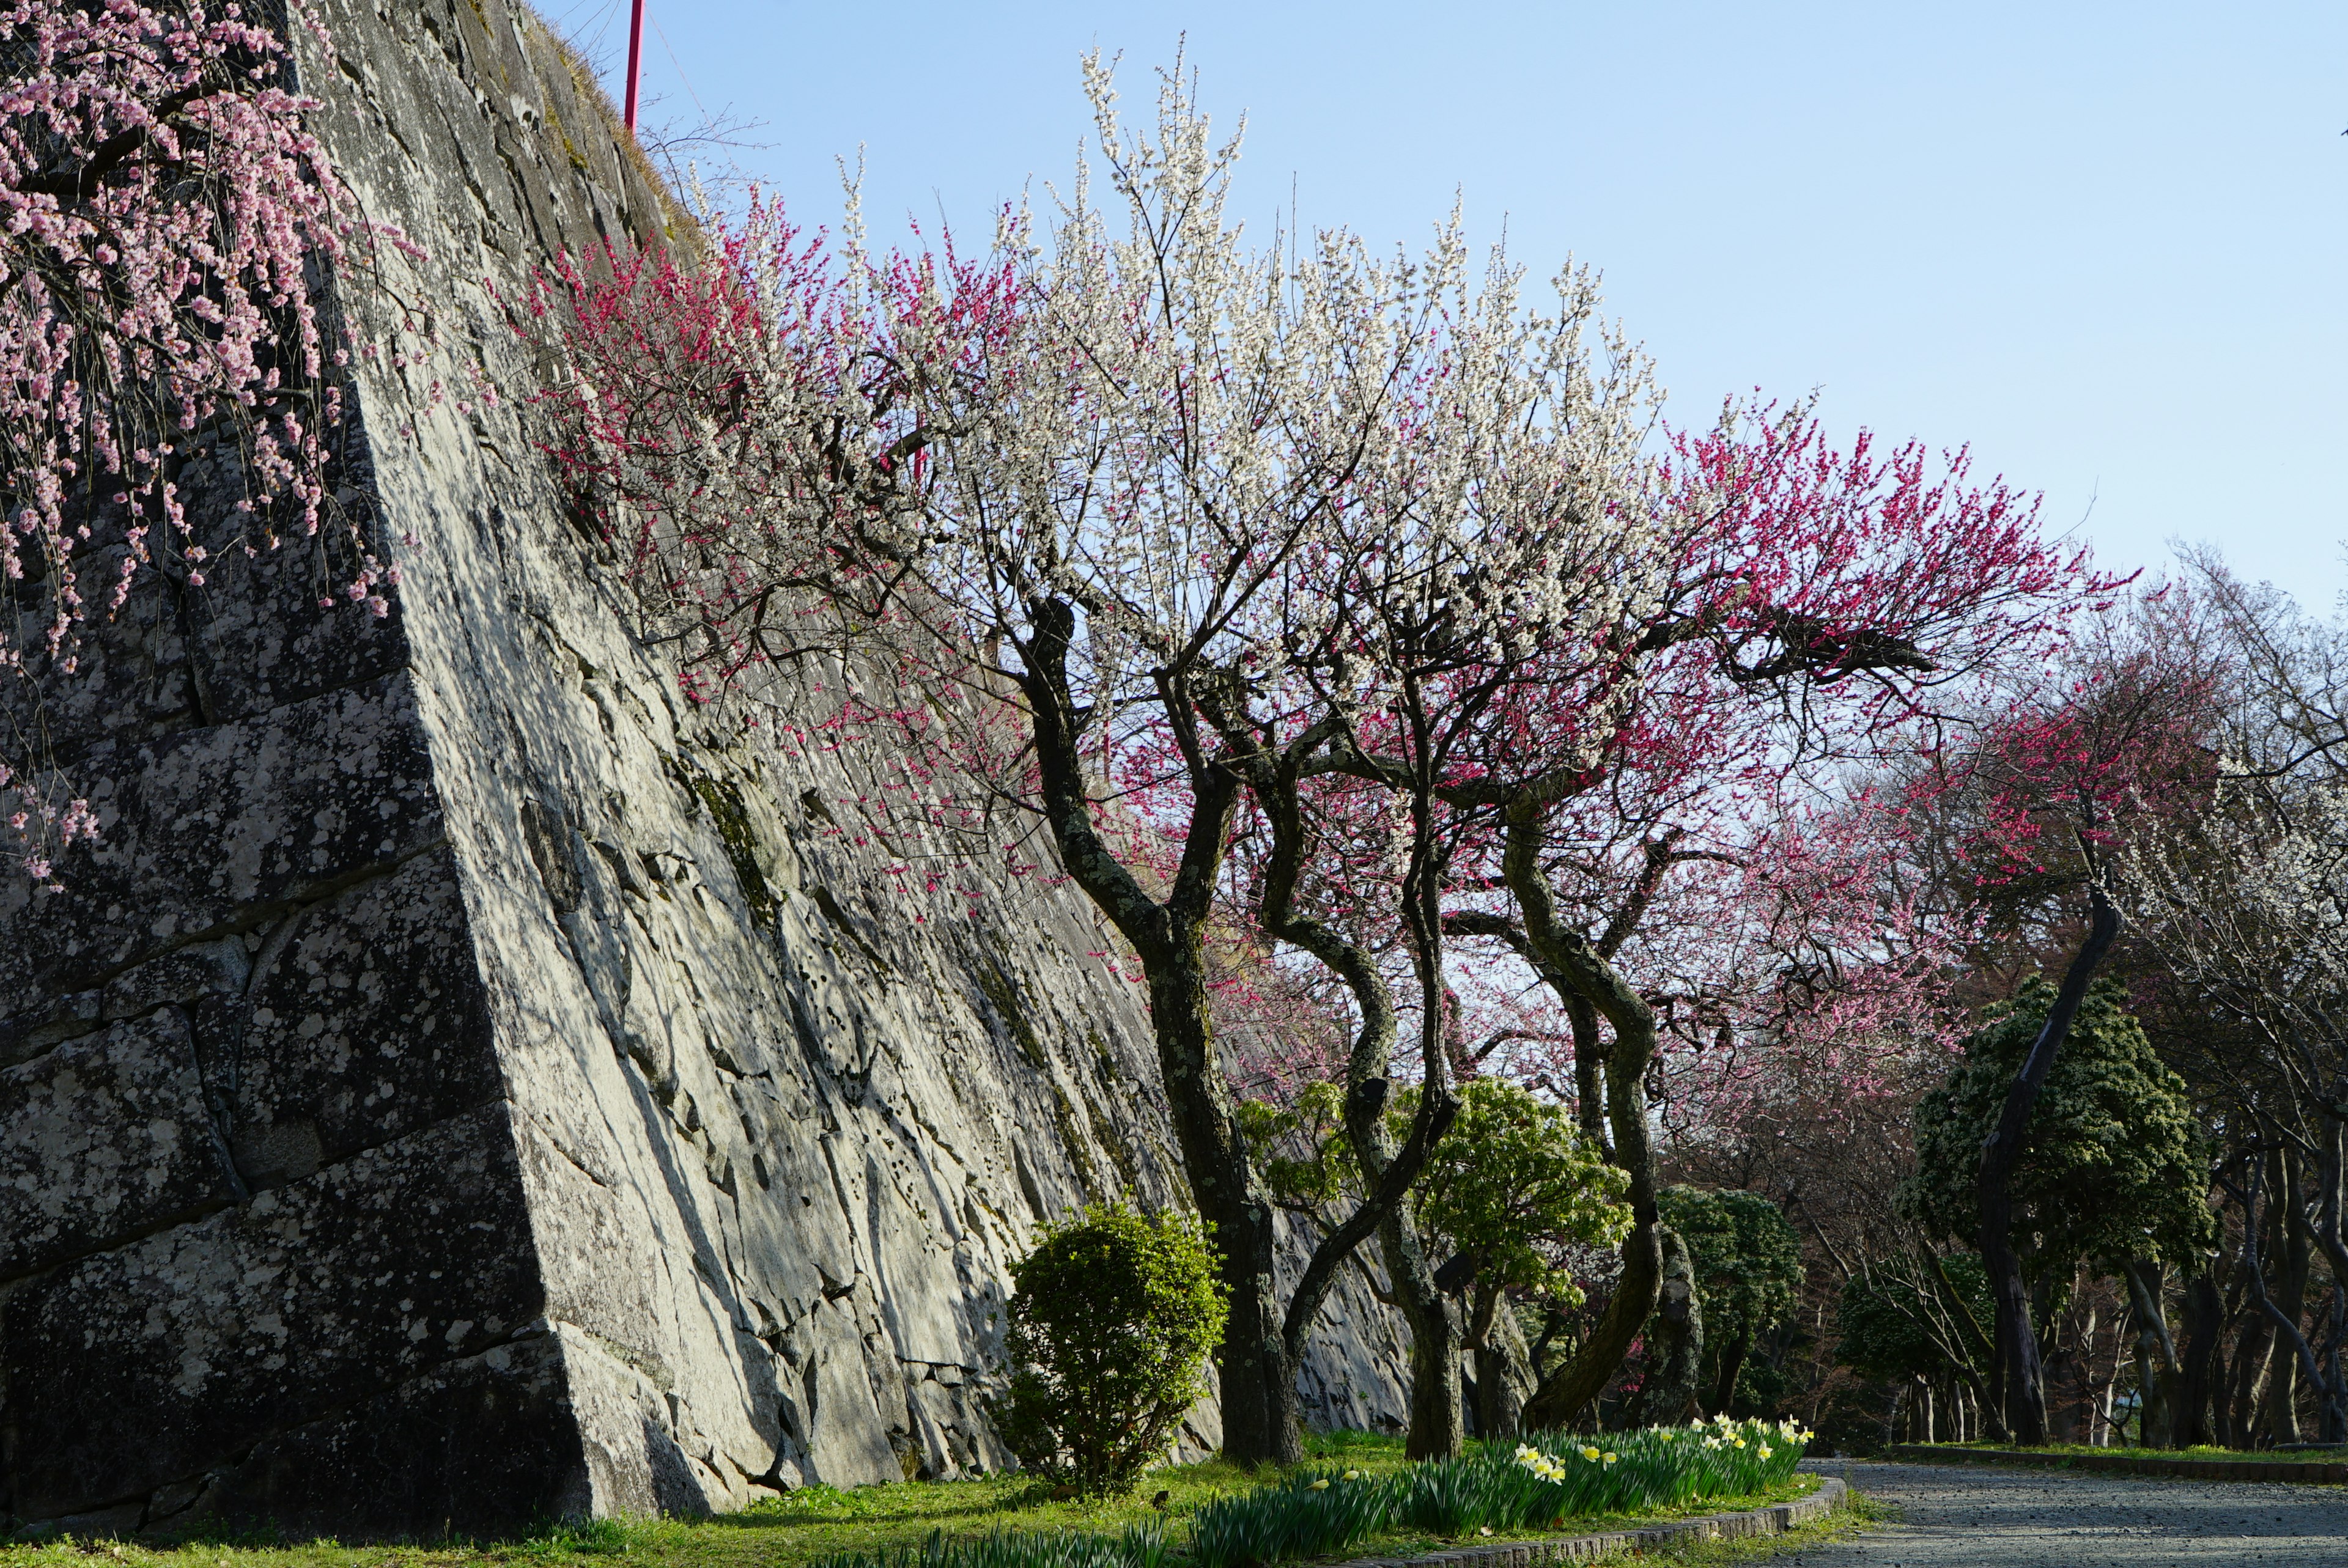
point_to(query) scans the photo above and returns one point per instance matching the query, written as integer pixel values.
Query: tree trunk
(2020, 1374)
(1437, 1426)
(1504, 1368)
(1578, 970)
(2201, 1372)
(2295, 1253)
(1256, 1360)
(1599, 1357)
(1438, 1418)
(1259, 1383)
(1732, 1362)
(1675, 1338)
(2282, 1304)
(2159, 1390)
(2324, 1227)
(2254, 1353)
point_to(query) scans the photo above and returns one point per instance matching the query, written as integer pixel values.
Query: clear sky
(2103, 244)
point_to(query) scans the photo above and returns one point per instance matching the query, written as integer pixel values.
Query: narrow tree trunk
(2023, 1384)
(1578, 969)
(2158, 1374)
(1258, 1381)
(1256, 1359)
(1438, 1418)
(2293, 1254)
(2280, 1306)
(2254, 1353)
(2324, 1226)
(1437, 1423)
(1600, 1356)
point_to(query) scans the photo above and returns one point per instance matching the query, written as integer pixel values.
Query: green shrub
(1110, 1332)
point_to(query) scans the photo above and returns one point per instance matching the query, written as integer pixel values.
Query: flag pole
(636, 61)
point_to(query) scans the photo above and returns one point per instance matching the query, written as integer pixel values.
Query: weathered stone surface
(485, 1445)
(611, 1123)
(106, 1136)
(212, 830)
(156, 1360)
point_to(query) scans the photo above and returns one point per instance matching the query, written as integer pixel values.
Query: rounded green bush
(1108, 1336)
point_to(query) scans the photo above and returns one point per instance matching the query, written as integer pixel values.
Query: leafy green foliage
(1885, 1320)
(1514, 1183)
(1110, 1327)
(2113, 1165)
(1312, 1123)
(1748, 1258)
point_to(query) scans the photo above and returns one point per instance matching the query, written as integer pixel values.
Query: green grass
(2203, 1450)
(820, 1523)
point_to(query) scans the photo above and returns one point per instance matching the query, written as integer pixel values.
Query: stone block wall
(465, 1086)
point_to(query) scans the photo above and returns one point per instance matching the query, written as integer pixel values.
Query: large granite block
(488, 1445)
(155, 1361)
(106, 1136)
(215, 830)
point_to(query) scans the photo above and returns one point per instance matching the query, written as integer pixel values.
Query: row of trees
(1386, 673)
(2171, 1193)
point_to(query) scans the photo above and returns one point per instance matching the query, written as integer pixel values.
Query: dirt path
(1960, 1517)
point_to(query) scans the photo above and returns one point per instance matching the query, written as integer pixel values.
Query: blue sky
(2103, 244)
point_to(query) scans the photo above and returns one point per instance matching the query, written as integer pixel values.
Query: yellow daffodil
(1321, 1485)
(1764, 1450)
(1612, 1458)
(1738, 1442)
(1589, 1453)
(1353, 1475)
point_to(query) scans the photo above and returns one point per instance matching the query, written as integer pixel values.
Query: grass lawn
(2204, 1451)
(820, 1521)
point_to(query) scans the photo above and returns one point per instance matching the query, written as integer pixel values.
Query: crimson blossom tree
(1810, 609)
(160, 211)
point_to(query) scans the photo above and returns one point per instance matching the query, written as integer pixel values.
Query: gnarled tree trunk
(1674, 1342)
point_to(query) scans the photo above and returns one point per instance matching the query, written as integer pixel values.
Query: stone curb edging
(2311, 1473)
(1830, 1495)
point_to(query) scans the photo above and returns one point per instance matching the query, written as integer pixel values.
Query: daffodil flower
(1764, 1450)
(1353, 1475)
(1321, 1485)
(1589, 1453)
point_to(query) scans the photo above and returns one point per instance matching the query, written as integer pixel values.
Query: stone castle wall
(466, 1087)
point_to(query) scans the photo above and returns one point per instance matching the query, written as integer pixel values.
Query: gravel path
(1960, 1516)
